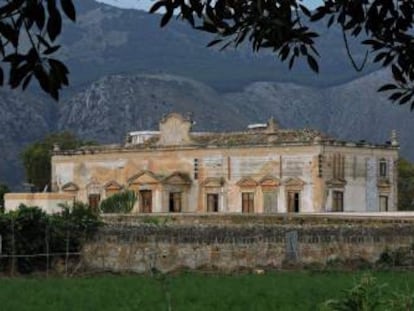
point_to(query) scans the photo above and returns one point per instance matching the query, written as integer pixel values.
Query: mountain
(114, 105)
(107, 40)
(24, 118)
(126, 72)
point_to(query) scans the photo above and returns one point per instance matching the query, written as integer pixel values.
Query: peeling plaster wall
(232, 164)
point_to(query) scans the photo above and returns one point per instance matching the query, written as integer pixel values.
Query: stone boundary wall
(170, 247)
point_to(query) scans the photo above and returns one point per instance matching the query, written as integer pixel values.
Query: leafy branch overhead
(28, 31)
(285, 27)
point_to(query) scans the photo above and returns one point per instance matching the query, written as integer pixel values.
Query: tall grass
(188, 292)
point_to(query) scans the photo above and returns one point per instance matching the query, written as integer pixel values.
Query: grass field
(187, 292)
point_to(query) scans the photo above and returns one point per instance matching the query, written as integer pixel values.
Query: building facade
(264, 169)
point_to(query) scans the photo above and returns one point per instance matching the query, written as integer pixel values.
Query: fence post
(47, 248)
(13, 246)
(67, 252)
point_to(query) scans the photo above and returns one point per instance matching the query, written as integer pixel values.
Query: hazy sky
(145, 4)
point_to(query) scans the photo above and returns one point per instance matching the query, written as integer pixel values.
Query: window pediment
(384, 184)
(269, 181)
(336, 183)
(112, 186)
(294, 183)
(143, 177)
(247, 182)
(177, 178)
(213, 182)
(70, 187)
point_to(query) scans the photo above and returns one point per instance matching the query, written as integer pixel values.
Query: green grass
(188, 292)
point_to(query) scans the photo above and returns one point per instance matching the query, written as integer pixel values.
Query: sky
(146, 4)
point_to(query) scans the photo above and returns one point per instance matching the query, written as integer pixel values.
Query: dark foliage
(285, 27)
(28, 31)
(405, 185)
(3, 190)
(37, 157)
(30, 231)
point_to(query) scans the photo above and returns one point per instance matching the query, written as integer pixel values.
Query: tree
(285, 27)
(28, 30)
(37, 157)
(405, 185)
(3, 190)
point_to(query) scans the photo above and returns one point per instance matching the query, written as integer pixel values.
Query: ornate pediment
(294, 183)
(175, 130)
(112, 186)
(143, 177)
(94, 186)
(177, 178)
(269, 181)
(336, 183)
(70, 187)
(384, 185)
(247, 182)
(213, 182)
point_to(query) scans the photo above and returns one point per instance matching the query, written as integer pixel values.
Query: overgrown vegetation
(3, 190)
(287, 291)
(121, 202)
(30, 231)
(370, 295)
(405, 185)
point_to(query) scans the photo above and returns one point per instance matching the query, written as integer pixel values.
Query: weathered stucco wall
(141, 247)
(50, 202)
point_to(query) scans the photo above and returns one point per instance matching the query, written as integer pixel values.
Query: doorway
(212, 202)
(248, 202)
(145, 201)
(293, 201)
(175, 202)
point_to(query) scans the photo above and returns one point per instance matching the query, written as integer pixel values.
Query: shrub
(30, 231)
(364, 296)
(122, 202)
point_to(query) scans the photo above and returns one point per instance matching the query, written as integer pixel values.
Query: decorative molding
(269, 181)
(213, 182)
(247, 182)
(294, 183)
(70, 187)
(177, 178)
(143, 177)
(336, 183)
(112, 185)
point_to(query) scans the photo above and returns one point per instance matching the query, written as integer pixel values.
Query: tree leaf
(313, 64)
(69, 9)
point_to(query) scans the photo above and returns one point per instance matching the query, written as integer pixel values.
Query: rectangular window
(383, 169)
(248, 202)
(293, 201)
(93, 200)
(338, 166)
(337, 201)
(270, 202)
(175, 202)
(212, 202)
(383, 201)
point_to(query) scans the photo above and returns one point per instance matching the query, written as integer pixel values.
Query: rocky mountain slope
(124, 77)
(108, 40)
(114, 105)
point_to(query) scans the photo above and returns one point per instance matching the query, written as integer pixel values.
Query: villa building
(264, 169)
